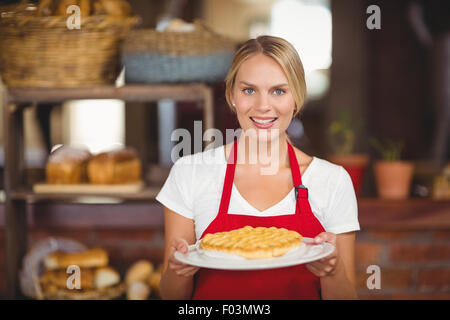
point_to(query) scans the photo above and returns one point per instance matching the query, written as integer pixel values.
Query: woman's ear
(232, 101)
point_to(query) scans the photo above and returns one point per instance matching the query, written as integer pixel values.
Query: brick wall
(413, 264)
(409, 242)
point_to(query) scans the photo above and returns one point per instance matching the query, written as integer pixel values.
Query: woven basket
(43, 52)
(101, 294)
(151, 56)
(33, 267)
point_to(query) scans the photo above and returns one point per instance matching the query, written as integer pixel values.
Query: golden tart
(253, 243)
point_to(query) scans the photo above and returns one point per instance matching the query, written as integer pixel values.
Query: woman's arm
(177, 280)
(337, 271)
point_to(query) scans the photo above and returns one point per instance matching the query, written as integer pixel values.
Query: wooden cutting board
(88, 188)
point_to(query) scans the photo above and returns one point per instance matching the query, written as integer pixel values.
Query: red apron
(287, 283)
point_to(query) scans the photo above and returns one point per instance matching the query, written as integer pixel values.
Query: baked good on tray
(94, 279)
(95, 257)
(67, 165)
(90, 278)
(115, 167)
(253, 243)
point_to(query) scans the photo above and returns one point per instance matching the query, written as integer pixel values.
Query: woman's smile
(263, 122)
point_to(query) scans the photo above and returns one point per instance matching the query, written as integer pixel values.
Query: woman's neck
(263, 154)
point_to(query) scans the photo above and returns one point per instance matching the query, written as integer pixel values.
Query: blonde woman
(265, 88)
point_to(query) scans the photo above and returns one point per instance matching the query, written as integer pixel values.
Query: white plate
(305, 253)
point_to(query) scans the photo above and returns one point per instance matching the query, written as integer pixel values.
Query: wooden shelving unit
(18, 195)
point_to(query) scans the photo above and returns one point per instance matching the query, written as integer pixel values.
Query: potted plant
(342, 138)
(393, 176)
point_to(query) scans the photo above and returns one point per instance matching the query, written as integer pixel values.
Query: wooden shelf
(17, 195)
(129, 92)
(147, 194)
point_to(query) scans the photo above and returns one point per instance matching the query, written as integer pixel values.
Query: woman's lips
(263, 122)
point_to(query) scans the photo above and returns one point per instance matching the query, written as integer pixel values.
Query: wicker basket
(151, 56)
(101, 294)
(33, 267)
(43, 52)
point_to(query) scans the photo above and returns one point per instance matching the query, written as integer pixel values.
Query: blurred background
(378, 79)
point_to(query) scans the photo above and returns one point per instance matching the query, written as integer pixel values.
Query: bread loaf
(95, 257)
(67, 165)
(115, 167)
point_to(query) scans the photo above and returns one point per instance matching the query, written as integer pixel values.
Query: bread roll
(154, 281)
(139, 271)
(85, 8)
(63, 5)
(90, 278)
(96, 257)
(117, 8)
(49, 288)
(115, 167)
(46, 8)
(98, 8)
(67, 165)
(58, 278)
(105, 277)
(138, 291)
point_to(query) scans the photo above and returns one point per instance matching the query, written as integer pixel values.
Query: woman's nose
(263, 104)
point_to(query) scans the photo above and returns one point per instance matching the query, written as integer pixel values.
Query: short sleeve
(176, 193)
(342, 213)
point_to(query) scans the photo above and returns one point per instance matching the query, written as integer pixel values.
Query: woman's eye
(248, 90)
(279, 91)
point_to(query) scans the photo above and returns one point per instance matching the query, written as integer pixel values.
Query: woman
(265, 88)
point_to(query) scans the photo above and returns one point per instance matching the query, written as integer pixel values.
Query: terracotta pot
(393, 178)
(355, 164)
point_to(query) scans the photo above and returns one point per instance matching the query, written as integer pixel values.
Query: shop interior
(378, 79)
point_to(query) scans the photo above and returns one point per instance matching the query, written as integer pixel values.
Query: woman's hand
(178, 267)
(325, 266)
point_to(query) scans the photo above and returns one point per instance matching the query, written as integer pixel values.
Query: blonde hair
(282, 52)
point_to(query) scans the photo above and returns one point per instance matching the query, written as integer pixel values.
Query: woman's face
(262, 97)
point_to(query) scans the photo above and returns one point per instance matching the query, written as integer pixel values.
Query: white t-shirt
(194, 186)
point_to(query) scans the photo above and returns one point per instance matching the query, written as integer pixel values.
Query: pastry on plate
(253, 243)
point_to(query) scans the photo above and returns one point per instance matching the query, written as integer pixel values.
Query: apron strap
(296, 177)
(301, 192)
(229, 178)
